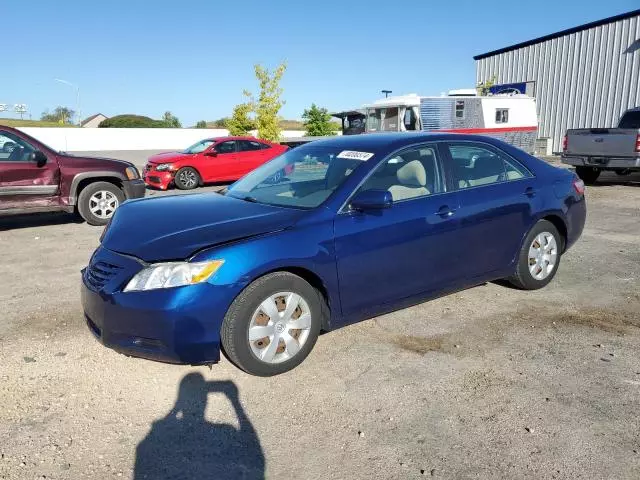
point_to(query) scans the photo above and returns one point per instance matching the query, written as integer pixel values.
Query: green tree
(268, 104)
(59, 114)
(171, 120)
(484, 88)
(317, 122)
(201, 124)
(240, 122)
(220, 123)
(131, 121)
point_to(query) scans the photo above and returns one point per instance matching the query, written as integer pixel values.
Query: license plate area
(597, 160)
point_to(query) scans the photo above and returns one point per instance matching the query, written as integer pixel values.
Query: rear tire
(539, 257)
(98, 201)
(187, 178)
(588, 175)
(273, 306)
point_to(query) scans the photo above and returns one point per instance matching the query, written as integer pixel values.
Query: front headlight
(172, 274)
(163, 167)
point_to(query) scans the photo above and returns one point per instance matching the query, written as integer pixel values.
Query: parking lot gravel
(490, 382)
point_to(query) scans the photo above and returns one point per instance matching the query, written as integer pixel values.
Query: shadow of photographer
(184, 445)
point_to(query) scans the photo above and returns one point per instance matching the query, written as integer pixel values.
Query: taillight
(578, 185)
(638, 143)
(565, 143)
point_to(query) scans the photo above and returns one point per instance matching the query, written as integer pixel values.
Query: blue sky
(194, 58)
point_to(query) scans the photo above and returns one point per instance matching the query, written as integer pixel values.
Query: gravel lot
(487, 383)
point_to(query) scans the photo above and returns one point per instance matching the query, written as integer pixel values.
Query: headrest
(412, 174)
(488, 165)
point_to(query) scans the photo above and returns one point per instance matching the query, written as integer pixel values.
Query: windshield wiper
(249, 198)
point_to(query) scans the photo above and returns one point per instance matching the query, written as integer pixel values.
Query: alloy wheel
(103, 203)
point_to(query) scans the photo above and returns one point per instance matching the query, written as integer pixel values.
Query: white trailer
(509, 117)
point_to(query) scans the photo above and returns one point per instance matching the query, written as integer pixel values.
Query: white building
(93, 121)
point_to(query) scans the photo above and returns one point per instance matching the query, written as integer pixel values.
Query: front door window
(14, 148)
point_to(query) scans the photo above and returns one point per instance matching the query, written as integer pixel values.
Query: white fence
(110, 139)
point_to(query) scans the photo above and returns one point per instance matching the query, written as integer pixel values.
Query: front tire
(98, 201)
(272, 326)
(539, 257)
(187, 178)
(588, 175)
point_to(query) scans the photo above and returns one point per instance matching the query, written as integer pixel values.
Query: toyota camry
(358, 226)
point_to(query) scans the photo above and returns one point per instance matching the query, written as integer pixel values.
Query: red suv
(212, 160)
(35, 178)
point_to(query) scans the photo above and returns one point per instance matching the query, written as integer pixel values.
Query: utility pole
(386, 92)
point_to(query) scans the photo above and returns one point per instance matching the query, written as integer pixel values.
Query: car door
(251, 154)
(412, 247)
(221, 162)
(497, 198)
(25, 183)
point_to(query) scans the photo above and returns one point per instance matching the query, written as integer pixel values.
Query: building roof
(88, 119)
(561, 33)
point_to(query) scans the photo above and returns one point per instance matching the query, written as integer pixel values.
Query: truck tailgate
(605, 142)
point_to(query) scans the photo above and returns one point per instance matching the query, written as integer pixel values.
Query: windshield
(201, 146)
(301, 178)
(630, 120)
(382, 119)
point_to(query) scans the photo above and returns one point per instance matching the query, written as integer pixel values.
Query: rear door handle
(445, 212)
(530, 192)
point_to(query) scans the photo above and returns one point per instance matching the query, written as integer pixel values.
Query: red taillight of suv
(565, 143)
(578, 185)
(638, 143)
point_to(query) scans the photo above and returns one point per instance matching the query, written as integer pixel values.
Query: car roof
(236, 137)
(393, 141)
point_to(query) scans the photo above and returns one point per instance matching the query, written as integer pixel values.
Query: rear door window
(630, 120)
(474, 165)
(249, 146)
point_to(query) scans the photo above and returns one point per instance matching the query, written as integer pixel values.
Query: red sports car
(220, 159)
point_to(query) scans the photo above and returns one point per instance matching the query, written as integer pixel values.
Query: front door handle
(530, 192)
(445, 212)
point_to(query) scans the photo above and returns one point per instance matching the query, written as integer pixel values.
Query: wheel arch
(193, 167)
(560, 224)
(81, 180)
(315, 281)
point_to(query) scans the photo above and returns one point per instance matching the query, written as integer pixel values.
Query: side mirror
(39, 158)
(211, 153)
(371, 200)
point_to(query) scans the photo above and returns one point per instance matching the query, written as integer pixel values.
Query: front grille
(99, 273)
(154, 179)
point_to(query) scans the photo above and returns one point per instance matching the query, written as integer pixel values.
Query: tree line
(259, 112)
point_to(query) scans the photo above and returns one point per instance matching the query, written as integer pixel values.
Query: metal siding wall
(585, 79)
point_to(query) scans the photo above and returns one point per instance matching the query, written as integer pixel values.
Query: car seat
(412, 181)
(486, 169)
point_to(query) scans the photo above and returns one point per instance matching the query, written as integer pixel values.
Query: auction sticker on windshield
(354, 155)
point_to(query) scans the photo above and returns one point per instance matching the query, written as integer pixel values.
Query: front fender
(98, 175)
(309, 248)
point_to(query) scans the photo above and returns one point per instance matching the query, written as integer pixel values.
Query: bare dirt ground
(487, 383)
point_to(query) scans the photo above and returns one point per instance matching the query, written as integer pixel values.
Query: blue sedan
(357, 226)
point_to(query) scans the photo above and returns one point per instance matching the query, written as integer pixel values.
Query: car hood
(167, 157)
(93, 163)
(175, 227)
